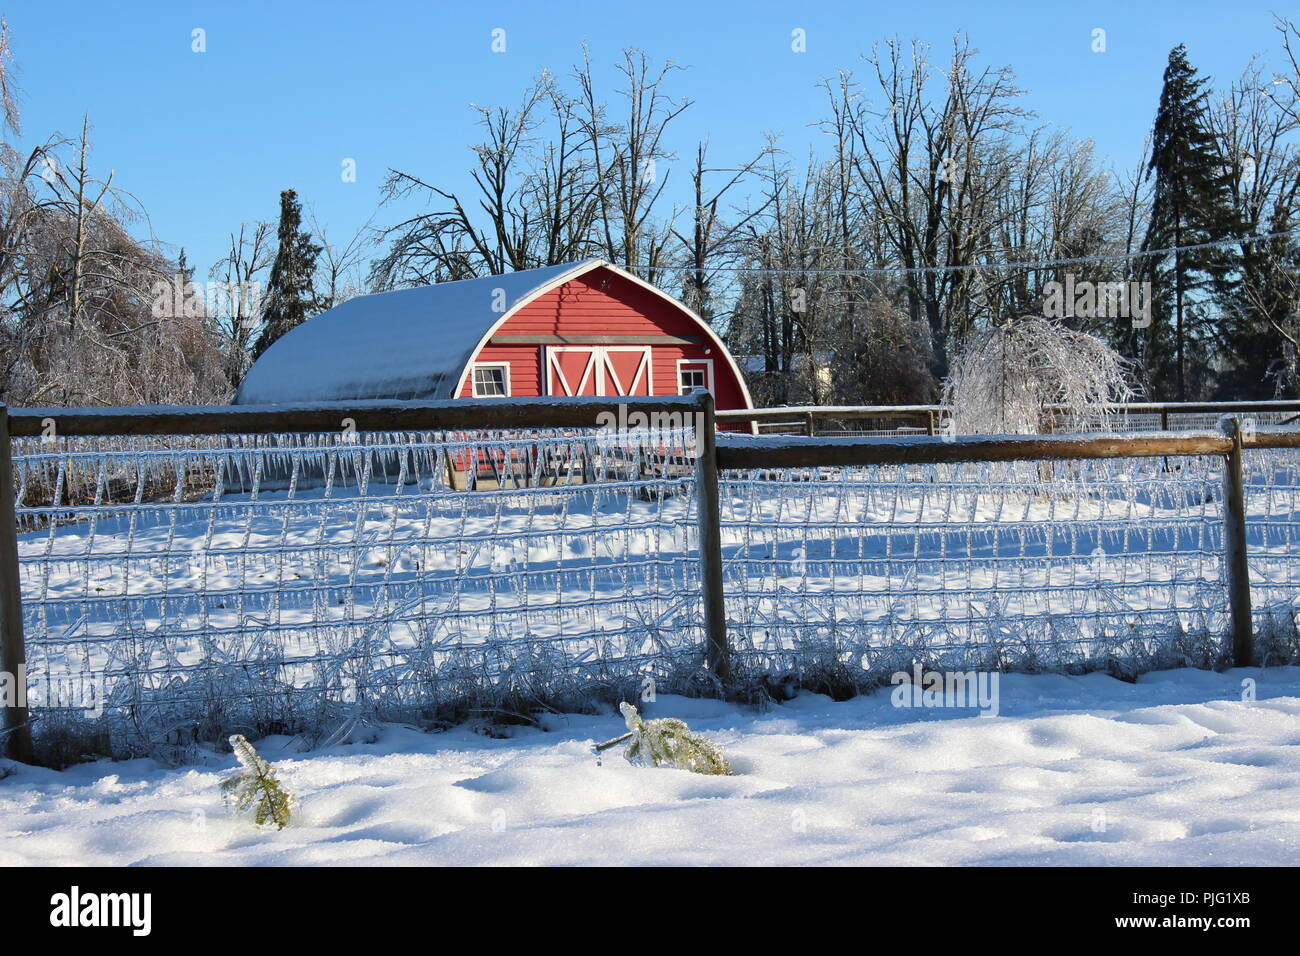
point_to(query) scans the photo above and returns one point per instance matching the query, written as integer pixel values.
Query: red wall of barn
(601, 302)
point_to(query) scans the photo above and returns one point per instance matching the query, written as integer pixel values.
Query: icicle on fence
(1028, 565)
(219, 583)
(270, 582)
(1271, 483)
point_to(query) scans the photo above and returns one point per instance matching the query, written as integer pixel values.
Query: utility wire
(991, 266)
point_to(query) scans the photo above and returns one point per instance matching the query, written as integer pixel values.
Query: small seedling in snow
(255, 786)
(667, 741)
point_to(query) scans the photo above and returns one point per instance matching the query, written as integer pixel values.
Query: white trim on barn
(644, 371)
(475, 366)
(708, 372)
(553, 370)
(598, 371)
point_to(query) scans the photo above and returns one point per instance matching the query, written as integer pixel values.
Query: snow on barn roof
(411, 343)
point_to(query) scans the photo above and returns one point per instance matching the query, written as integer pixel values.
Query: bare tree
(1285, 91)
(563, 191)
(554, 181)
(1255, 126)
(453, 242)
(241, 273)
(787, 314)
(929, 166)
(628, 156)
(81, 320)
(338, 269)
(714, 241)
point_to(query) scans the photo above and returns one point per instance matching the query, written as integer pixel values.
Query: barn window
(491, 381)
(691, 379)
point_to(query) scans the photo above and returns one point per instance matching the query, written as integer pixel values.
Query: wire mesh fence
(984, 565)
(1271, 484)
(883, 426)
(188, 586)
(1127, 420)
(180, 587)
(882, 422)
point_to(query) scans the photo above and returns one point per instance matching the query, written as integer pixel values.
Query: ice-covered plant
(255, 786)
(1006, 377)
(667, 741)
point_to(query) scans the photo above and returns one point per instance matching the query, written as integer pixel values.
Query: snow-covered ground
(1174, 769)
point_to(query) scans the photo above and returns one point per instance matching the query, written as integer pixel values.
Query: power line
(992, 266)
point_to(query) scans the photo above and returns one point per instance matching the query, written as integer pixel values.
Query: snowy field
(1173, 769)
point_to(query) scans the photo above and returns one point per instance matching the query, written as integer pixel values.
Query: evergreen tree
(1258, 302)
(667, 742)
(289, 296)
(1190, 206)
(256, 787)
(1257, 299)
(183, 293)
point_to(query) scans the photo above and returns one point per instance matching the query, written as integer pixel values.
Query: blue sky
(287, 91)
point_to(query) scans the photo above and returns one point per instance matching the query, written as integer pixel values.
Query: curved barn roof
(415, 343)
(411, 343)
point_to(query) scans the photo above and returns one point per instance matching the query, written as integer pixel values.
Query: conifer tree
(183, 294)
(667, 742)
(255, 786)
(1258, 328)
(289, 297)
(1190, 206)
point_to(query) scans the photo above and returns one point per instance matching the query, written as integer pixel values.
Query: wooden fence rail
(799, 451)
(714, 453)
(930, 416)
(449, 415)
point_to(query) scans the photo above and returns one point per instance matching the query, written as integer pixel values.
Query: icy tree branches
(1006, 378)
(668, 742)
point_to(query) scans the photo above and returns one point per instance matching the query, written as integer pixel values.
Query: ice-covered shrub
(668, 742)
(1277, 641)
(1006, 377)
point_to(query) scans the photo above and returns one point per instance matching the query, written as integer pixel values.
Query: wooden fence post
(17, 738)
(810, 427)
(1235, 555)
(717, 649)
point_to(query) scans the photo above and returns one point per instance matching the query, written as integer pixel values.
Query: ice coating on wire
(276, 583)
(260, 582)
(1025, 565)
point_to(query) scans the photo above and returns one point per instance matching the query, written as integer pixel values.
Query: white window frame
(473, 378)
(708, 372)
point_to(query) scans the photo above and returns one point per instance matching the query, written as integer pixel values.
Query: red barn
(587, 328)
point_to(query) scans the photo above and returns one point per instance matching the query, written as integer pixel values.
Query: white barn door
(598, 370)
